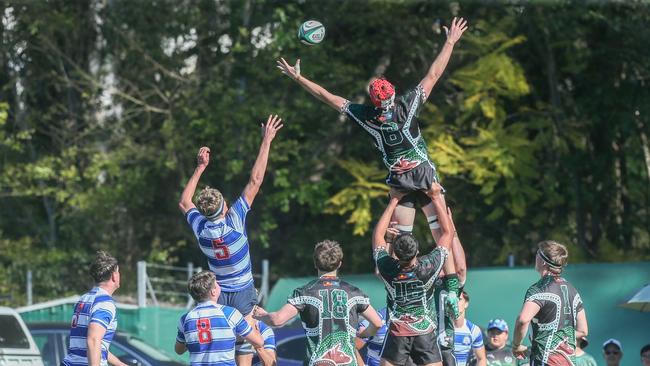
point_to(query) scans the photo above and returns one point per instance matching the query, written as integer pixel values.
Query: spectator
(497, 351)
(613, 352)
(645, 355)
(582, 357)
(467, 336)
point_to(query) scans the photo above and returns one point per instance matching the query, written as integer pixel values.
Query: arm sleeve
(180, 335)
(415, 99)
(236, 215)
(296, 299)
(386, 265)
(240, 325)
(268, 336)
(531, 297)
(359, 113)
(103, 313)
(196, 220)
(477, 337)
(363, 303)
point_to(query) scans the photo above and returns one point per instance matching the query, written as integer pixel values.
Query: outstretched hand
(291, 71)
(273, 124)
(203, 157)
(458, 27)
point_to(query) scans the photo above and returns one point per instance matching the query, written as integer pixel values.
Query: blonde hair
(554, 255)
(209, 201)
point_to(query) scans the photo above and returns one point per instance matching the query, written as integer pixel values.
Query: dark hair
(645, 349)
(102, 267)
(465, 295)
(200, 285)
(328, 255)
(405, 247)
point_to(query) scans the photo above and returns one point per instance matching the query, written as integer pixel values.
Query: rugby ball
(311, 32)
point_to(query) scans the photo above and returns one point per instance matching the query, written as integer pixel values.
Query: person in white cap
(498, 352)
(612, 352)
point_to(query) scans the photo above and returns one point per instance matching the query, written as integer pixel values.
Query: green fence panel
(499, 292)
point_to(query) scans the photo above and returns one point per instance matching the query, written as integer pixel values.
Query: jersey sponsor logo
(508, 359)
(466, 340)
(404, 165)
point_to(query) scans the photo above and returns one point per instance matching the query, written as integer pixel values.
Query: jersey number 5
(203, 328)
(220, 251)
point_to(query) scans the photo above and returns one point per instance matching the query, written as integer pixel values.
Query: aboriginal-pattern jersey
(409, 290)
(443, 321)
(554, 336)
(396, 132)
(329, 309)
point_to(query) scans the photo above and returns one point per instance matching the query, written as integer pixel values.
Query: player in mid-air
(95, 317)
(209, 331)
(221, 231)
(555, 309)
(392, 122)
(409, 280)
(329, 308)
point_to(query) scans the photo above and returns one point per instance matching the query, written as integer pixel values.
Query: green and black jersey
(554, 326)
(502, 357)
(410, 297)
(396, 131)
(329, 309)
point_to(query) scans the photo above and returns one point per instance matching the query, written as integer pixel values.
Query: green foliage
(538, 128)
(357, 197)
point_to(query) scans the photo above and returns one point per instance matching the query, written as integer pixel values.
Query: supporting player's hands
(272, 126)
(435, 191)
(392, 232)
(520, 351)
(291, 71)
(203, 157)
(397, 194)
(458, 26)
(259, 312)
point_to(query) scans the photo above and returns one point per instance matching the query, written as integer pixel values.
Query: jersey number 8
(337, 308)
(203, 328)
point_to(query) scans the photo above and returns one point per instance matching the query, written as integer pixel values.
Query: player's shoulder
(310, 287)
(350, 288)
(473, 328)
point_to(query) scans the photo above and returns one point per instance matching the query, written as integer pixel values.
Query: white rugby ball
(311, 32)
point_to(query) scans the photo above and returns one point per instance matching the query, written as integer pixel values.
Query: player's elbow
(521, 322)
(179, 348)
(256, 180)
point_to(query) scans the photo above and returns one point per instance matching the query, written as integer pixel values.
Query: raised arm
(202, 161)
(460, 263)
(273, 124)
(458, 26)
(379, 234)
(277, 318)
(314, 89)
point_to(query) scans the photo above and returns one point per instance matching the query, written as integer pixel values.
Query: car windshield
(11, 334)
(147, 349)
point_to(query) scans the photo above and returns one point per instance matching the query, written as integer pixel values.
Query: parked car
(53, 339)
(16, 344)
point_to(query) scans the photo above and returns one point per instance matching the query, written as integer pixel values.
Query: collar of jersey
(206, 303)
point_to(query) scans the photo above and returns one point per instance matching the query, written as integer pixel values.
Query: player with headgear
(392, 122)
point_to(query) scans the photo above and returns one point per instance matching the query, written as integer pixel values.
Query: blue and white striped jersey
(209, 332)
(466, 339)
(96, 306)
(269, 340)
(376, 342)
(225, 243)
